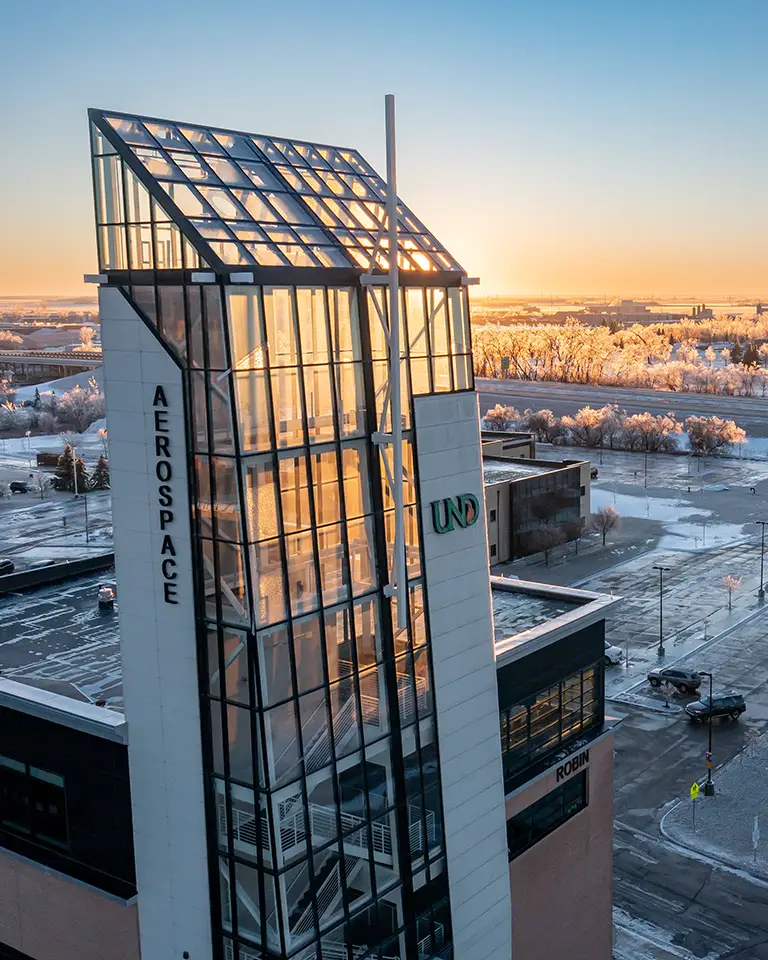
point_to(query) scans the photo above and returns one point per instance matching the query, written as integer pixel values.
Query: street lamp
(29, 450)
(709, 787)
(761, 591)
(662, 571)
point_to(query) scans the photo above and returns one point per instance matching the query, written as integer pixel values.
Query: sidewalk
(724, 823)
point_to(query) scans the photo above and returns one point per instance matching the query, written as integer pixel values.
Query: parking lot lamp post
(662, 571)
(761, 591)
(709, 787)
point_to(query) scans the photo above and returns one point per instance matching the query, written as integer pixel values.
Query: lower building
(527, 498)
(557, 756)
(67, 874)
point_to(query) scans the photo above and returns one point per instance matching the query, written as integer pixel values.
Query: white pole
(394, 365)
(74, 467)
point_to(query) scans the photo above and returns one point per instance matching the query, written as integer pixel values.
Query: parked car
(18, 486)
(6, 566)
(722, 705)
(684, 680)
(613, 655)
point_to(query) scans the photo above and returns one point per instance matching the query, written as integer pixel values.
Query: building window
(546, 815)
(543, 724)
(492, 517)
(32, 802)
(493, 549)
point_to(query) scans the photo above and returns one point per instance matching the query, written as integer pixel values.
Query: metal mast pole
(394, 364)
(761, 591)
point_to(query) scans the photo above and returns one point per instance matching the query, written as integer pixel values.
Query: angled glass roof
(259, 201)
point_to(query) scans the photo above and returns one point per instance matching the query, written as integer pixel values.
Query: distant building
(524, 494)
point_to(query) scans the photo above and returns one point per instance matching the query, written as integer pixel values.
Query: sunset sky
(554, 146)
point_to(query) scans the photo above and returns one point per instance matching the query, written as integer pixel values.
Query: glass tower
(251, 260)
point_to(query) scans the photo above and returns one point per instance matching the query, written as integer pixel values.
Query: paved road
(562, 398)
(685, 905)
(35, 530)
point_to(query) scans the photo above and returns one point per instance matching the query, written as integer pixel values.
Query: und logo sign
(463, 510)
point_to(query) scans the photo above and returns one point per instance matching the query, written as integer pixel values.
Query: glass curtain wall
(321, 717)
(319, 733)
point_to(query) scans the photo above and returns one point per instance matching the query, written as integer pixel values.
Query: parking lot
(672, 901)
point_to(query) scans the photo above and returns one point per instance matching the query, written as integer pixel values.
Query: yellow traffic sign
(694, 791)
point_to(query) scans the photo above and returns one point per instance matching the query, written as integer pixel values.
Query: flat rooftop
(514, 613)
(54, 638)
(495, 470)
(528, 615)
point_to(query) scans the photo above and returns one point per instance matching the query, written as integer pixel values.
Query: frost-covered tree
(100, 477)
(87, 336)
(64, 474)
(78, 407)
(731, 583)
(605, 520)
(708, 434)
(501, 417)
(542, 423)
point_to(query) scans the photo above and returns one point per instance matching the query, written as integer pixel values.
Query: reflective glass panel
(417, 323)
(252, 411)
(331, 556)
(307, 646)
(267, 582)
(227, 171)
(339, 642)
(109, 189)
(137, 199)
(319, 401)
(187, 200)
(140, 243)
(345, 325)
(112, 248)
(312, 324)
(302, 583)
(280, 326)
(227, 500)
(350, 398)
(260, 497)
(289, 423)
(275, 661)
(234, 604)
(246, 332)
(221, 415)
(325, 486)
(294, 492)
(361, 559)
(201, 140)
(357, 492)
(168, 247)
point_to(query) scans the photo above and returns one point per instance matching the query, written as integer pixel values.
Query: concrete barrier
(55, 573)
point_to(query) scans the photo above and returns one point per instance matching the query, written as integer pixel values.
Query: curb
(644, 704)
(717, 859)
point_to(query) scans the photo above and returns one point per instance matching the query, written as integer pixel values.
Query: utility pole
(74, 469)
(709, 787)
(761, 591)
(662, 571)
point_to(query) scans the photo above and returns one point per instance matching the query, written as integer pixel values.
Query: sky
(555, 147)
